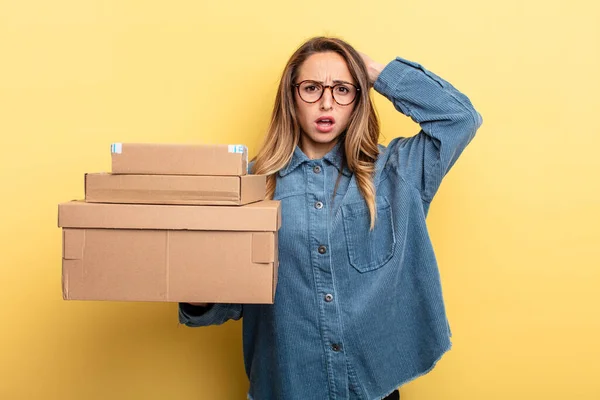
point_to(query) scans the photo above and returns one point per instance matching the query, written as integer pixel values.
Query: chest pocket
(369, 250)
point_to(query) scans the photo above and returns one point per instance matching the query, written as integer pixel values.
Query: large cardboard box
(174, 253)
(179, 159)
(174, 189)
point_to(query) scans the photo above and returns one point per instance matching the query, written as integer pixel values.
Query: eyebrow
(334, 82)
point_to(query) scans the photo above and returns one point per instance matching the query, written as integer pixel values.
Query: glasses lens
(344, 94)
(310, 91)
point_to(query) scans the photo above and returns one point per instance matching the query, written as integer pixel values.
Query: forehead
(325, 67)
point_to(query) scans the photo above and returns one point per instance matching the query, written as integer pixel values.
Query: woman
(358, 309)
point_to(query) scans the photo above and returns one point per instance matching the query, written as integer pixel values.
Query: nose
(327, 99)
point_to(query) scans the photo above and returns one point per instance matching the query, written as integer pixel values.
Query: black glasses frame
(330, 87)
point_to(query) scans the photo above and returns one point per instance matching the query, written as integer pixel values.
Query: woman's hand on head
(373, 68)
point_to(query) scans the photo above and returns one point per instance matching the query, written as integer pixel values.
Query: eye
(310, 87)
(342, 89)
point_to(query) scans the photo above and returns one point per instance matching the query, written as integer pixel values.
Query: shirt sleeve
(447, 119)
(214, 314)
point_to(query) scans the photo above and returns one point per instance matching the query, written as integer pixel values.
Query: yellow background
(515, 224)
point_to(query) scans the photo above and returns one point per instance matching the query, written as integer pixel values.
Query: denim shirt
(357, 313)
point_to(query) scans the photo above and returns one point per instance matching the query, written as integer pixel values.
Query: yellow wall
(515, 225)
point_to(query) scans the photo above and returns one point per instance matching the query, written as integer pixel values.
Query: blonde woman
(358, 309)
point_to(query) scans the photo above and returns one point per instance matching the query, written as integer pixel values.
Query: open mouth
(325, 124)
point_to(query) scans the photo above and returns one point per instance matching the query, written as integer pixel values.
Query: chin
(324, 138)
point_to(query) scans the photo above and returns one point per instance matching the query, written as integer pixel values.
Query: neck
(314, 150)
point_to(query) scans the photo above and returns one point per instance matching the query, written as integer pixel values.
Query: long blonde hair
(360, 139)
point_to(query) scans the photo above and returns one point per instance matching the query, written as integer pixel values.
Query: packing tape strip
(237, 148)
(116, 148)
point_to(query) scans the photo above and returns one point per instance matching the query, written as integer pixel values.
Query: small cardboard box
(174, 189)
(170, 253)
(179, 159)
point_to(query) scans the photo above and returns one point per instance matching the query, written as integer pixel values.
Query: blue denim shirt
(357, 313)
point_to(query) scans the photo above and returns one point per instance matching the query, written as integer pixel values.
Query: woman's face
(323, 121)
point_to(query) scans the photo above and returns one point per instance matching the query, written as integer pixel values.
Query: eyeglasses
(311, 91)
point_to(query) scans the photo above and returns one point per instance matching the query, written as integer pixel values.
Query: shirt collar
(297, 158)
(334, 157)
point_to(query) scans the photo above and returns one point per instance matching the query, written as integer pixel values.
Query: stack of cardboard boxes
(177, 223)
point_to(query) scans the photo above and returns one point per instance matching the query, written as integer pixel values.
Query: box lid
(260, 216)
(179, 159)
(174, 189)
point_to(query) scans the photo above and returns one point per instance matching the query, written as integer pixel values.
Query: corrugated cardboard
(261, 216)
(170, 253)
(179, 159)
(174, 189)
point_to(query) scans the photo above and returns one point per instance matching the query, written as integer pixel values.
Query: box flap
(263, 247)
(252, 187)
(261, 216)
(73, 243)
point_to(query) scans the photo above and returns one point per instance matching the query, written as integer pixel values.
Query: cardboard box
(174, 189)
(173, 253)
(179, 159)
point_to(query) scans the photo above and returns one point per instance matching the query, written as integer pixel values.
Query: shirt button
(317, 169)
(328, 297)
(318, 205)
(336, 347)
(322, 249)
